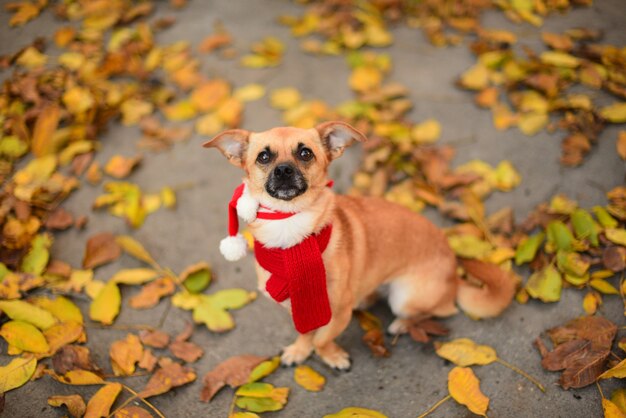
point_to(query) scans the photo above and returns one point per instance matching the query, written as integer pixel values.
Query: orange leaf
(464, 387)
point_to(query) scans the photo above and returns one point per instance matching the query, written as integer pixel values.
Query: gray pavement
(413, 378)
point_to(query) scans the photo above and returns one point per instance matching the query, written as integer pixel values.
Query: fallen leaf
(154, 338)
(196, 277)
(62, 334)
(60, 219)
(43, 139)
(152, 293)
(285, 98)
(134, 248)
(464, 387)
(73, 357)
(615, 113)
(16, 373)
(101, 402)
(618, 371)
(264, 369)
(261, 397)
(611, 410)
(186, 351)
(308, 378)
(234, 372)
(120, 167)
(24, 336)
(545, 285)
(80, 378)
(101, 249)
(169, 376)
(621, 145)
(124, 354)
(22, 311)
(132, 411)
(465, 352)
(74, 403)
(148, 360)
(106, 305)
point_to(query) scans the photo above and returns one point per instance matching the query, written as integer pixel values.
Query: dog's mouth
(286, 190)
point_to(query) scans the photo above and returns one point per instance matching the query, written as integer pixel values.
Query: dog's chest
(283, 233)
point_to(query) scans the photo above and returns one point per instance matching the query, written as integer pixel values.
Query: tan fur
(373, 242)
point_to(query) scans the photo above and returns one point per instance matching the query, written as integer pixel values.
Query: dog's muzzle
(285, 182)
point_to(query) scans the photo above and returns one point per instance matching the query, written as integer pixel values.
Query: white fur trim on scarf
(247, 206)
(234, 248)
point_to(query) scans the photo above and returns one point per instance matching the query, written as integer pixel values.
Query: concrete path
(413, 378)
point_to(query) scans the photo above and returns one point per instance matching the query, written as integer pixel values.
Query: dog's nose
(283, 171)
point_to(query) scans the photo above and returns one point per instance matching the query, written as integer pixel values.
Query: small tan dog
(373, 242)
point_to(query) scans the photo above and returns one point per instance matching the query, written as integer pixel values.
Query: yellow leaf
(47, 122)
(93, 288)
(308, 378)
(426, 132)
(618, 397)
(464, 387)
(180, 111)
(545, 285)
(285, 98)
(532, 122)
(100, 403)
(134, 109)
(209, 124)
(120, 167)
(74, 403)
(229, 112)
(365, 78)
(615, 113)
(21, 311)
(134, 276)
(134, 248)
(465, 352)
(31, 58)
(611, 410)
(186, 300)
(78, 100)
(616, 235)
(209, 95)
(603, 286)
(79, 377)
(62, 334)
(24, 336)
(469, 246)
(249, 92)
(168, 197)
(559, 59)
(618, 371)
(355, 412)
(26, 11)
(475, 78)
(62, 308)
(591, 302)
(106, 304)
(17, 373)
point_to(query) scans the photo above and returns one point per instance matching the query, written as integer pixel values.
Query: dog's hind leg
(417, 295)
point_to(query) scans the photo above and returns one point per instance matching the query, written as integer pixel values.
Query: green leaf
(232, 298)
(527, 249)
(21, 311)
(24, 336)
(216, 319)
(545, 285)
(264, 369)
(604, 217)
(469, 246)
(106, 306)
(258, 404)
(37, 257)
(584, 226)
(571, 263)
(16, 373)
(560, 236)
(197, 277)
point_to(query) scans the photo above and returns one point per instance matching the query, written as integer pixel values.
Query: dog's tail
(490, 299)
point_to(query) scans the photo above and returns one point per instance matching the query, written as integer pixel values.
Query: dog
(373, 241)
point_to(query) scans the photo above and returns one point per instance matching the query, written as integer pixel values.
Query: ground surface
(413, 378)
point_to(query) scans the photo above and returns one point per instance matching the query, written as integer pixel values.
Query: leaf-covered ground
(413, 377)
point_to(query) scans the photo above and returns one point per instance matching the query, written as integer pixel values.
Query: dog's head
(286, 164)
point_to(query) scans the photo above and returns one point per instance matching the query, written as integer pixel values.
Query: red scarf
(298, 273)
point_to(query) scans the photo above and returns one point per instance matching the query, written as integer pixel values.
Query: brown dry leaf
(148, 360)
(74, 403)
(59, 219)
(621, 145)
(120, 167)
(124, 354)
(582, 347)
(94, 174)
(186, 333)
(374, 337)
(614, 258)
(464, 387)
(422, 330)
(152, 293)
(43, 135)
(101, 249)
(100, 403)
(154, 338)
(169, 376)
(73, 357)
(233, 372)
(186, 351)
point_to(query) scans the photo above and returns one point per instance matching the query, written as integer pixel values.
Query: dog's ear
(336, 136)
(232, 144)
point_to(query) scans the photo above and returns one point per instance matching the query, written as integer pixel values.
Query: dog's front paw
(335, 357)
(295, 354)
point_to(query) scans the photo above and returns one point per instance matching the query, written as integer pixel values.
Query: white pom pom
(234, 248)
(247, 207)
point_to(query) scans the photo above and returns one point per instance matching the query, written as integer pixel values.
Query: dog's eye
(305, 154)
(264, 157)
